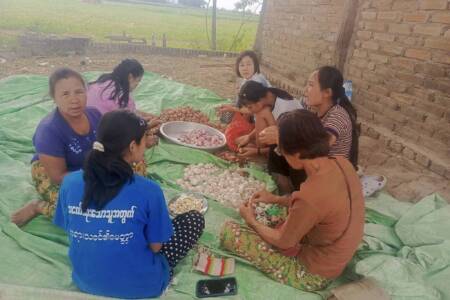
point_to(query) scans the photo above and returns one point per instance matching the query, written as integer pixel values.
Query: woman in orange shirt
(325, 218)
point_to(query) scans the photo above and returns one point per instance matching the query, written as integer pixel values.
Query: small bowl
(174, 130)
(193, 195)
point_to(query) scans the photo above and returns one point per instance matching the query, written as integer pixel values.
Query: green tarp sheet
(406, 247)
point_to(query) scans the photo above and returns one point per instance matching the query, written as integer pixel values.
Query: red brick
(404, 5)
(418, 54)
(392, 49)
(400, 28)
(433, 4)
(412, 112)
(382, 59)
(398, 86)
(411, 41)
(379, 119)
(435, 70)
(370, 45)
(360, 53)
(403, 99)
(403, 63)
(379, 90)
(375, 26)
(388, 15)
(422, 93)
(417, 79)
(438, 84)
(435, 43)
(416, 17)
(359, 62)
(369, 15)
(364, 35)
(372, 77)
(384, 37)
(429, 29)
(441, 17)
(441, 57)
(374, 107)
(382, 4)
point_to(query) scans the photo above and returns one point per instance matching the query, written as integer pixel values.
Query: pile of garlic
(229, 187)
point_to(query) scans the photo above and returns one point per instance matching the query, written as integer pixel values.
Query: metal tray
(173, 130)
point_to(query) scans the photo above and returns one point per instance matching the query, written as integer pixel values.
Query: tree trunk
(345, 33)
(258, 41)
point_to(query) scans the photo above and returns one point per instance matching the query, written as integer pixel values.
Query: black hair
(119, 78)
(331, 78)
(62, 73)
(301, 131)
(106, 172)
(253, 56)
(252, 92)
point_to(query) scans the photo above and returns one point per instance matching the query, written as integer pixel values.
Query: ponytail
(253, 92)
(330, 77)
(105, 170)
(119, 79)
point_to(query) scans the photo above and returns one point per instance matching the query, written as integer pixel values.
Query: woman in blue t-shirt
(122, 241)
(61, 140)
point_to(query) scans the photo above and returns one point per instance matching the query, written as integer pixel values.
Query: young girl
(247, 68)
(112, 91)
(268, 104)
(122, 241)
(61, 141)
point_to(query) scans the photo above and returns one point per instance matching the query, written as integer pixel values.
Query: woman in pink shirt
(112, 91)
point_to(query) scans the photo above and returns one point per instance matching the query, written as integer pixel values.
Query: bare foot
(27, 212)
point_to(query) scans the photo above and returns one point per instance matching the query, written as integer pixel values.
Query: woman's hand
(246, 152)
(269, 136)
(247, 213)
(263, 196)
(243, 140)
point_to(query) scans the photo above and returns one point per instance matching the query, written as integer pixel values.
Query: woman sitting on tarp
(61, 140)
(325, 220)
(112, 91)
(122, 241)
(325, 95)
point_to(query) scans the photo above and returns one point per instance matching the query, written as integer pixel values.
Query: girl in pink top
(112, 91)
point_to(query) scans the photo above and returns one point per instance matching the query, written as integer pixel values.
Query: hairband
(98, 146)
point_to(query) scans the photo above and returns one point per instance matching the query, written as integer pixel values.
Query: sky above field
(228, 4)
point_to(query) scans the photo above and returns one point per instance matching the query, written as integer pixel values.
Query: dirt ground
(407, 180)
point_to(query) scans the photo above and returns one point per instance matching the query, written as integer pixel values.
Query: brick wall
(299, 35)
(398, 59)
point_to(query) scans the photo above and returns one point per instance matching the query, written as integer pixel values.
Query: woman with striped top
(325, 94)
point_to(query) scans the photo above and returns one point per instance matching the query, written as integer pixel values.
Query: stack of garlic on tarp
(229, 187)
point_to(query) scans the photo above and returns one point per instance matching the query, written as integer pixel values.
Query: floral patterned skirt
(246, 243)
(48, 191)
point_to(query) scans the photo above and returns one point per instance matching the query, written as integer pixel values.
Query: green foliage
(184, 27)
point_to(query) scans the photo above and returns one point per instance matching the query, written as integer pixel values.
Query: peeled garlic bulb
(228, 187)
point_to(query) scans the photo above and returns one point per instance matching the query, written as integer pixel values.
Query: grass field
(184, 27)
